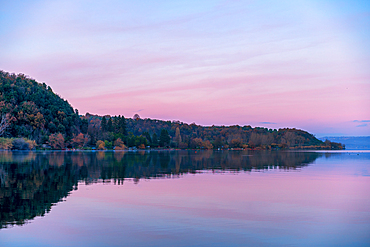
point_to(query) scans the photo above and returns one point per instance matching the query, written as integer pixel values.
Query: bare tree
(5, 122)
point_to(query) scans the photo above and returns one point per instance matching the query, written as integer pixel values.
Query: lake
(185, 198)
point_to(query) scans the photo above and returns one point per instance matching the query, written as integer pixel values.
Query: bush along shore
(17, 144)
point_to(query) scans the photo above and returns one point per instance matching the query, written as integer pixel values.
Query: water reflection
(31, 183)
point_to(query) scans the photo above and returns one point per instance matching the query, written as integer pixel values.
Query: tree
(164, 138)
(207, 144)
(147, 136)
(108, 144)
(178, 137)
(80, 140)
(56, 141)
(122, 125)
(109, 125)
(218, 142)
(119, 145)
(84, 126)
(103, 124)
(52, 127)
(61, 128)
(4, 124)
(196, 143)
(100, 145)
(183, 145)
(118, 142)
(140, 140)
(39, 121)
(236, 143)
(155, 140)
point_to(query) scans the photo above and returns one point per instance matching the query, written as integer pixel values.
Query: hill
(32, 110)
(176, 134)
(351, 142)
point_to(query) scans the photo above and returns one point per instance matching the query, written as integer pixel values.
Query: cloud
(361, 121)
(362, 125)
(267, 123)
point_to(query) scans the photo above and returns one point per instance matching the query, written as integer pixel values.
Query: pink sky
(303, 64)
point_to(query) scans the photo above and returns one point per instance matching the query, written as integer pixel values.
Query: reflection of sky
(325, 203)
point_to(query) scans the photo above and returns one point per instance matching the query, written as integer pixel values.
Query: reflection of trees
(30, 183)
(16, 156)
(159, 164)
(29, 188)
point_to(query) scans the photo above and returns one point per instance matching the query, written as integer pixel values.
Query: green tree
(104, 124)
(154, 140)
(147, 136)
(84, 126)
(110, 125)
(122, 125)
(164, 138)
(108, 144)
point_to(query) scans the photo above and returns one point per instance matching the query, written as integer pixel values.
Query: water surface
(185, 198)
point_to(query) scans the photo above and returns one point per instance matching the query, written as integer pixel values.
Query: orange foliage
(56, 141)
(80, 140)
(100, 145)
(119, 145)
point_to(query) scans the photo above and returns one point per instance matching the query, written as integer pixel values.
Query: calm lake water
(185, 198)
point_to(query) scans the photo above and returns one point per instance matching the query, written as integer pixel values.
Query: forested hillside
(137, 132)
(33, 111)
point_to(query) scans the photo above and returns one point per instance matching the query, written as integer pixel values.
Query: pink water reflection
(326, 203)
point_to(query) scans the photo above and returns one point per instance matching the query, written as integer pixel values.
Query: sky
(299, 64)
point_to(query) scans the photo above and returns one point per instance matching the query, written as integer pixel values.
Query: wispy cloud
(361, 121)
(267, 123)
(362, 125)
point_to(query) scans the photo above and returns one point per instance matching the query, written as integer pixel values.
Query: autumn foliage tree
(177, 137)
(56, 141)
(100, 145)
(80, 140)
(119, 145)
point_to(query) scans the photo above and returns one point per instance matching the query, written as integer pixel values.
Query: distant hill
(351, 142)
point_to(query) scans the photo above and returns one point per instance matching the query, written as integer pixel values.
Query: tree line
(143, 133)
(34, 116)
